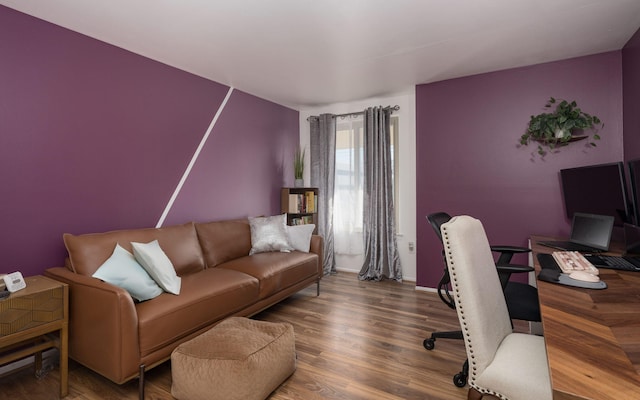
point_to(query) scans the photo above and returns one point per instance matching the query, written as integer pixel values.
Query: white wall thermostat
(14, 281)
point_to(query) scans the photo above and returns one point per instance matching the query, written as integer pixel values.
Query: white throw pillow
(158, 265)
(122, 270)
(269, 234)
(300, 236)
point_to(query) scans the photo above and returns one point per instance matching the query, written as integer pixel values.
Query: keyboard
(570, 261)
(612, 262)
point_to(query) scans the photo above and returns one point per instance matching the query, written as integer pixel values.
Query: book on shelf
(300, 203)
(293, 204)
(310, 201)
(305, 219)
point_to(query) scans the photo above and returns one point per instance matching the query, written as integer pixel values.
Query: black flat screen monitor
(596, 189)
(632, 239)
(634, 180)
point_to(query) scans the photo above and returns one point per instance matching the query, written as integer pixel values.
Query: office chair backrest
(436, 220)
(480, 303)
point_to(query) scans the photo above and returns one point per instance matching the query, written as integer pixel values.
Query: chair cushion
(519, 370)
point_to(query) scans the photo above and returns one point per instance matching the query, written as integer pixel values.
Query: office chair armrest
(507, 252)
(505, 271)
(513, 268)
(510, 249)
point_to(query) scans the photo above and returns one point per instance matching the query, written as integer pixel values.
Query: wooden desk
(592, 336)
(34, 319)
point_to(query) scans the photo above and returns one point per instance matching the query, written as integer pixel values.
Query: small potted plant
(298, 167)
(556, 128)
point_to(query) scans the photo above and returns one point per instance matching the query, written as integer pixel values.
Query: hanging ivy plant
(557, 128)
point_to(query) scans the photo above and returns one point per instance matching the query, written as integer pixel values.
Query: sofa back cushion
(222, 241)
(179, 242)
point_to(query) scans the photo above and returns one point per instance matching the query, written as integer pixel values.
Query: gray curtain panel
(381, 259)
(323, 161)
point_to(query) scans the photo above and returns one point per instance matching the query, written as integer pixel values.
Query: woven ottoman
(239, 358)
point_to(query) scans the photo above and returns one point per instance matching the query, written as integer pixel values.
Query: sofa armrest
(317, 247)
(103, 325)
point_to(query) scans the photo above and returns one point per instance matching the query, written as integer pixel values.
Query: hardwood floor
(357, 340)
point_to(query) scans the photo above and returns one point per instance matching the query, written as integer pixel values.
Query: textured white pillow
(122, 270)
(269, 234)
(158, 265)
(300, 236)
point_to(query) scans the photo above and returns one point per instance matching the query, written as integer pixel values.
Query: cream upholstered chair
(503, 364)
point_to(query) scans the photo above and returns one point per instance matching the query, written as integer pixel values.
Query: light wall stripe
(193, 159)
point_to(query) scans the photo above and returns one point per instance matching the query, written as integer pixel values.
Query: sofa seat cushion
(206, 297)
(275, 271)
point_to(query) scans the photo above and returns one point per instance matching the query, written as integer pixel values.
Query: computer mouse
(584, 276)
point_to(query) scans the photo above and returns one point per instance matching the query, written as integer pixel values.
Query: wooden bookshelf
(301, 205)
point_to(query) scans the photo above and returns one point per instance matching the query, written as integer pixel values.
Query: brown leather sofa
(119, 338)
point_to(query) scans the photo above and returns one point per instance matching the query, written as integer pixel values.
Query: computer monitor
(634, 180)
(632, 239)
(596, 189)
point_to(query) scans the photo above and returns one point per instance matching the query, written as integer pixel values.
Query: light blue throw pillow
(122, 270)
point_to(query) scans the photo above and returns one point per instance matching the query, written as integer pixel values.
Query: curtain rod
(392, 108)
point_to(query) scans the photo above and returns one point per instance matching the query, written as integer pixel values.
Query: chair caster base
(429, 344)
(460, 380)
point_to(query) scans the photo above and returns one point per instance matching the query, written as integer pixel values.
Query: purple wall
(631, 93)
(243, 165)
(94, 138)
(469, 162)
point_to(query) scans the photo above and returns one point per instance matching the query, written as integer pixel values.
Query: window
(395, 150)
(349, 180)
(348, 189)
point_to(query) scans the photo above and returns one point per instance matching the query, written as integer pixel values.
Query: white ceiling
(305, 53)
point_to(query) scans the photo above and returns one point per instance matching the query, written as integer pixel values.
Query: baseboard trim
(426, 289)
(357, 271)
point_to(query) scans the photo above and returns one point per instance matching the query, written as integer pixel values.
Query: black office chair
(521, 299)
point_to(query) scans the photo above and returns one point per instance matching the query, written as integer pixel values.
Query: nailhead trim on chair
(472, 361)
